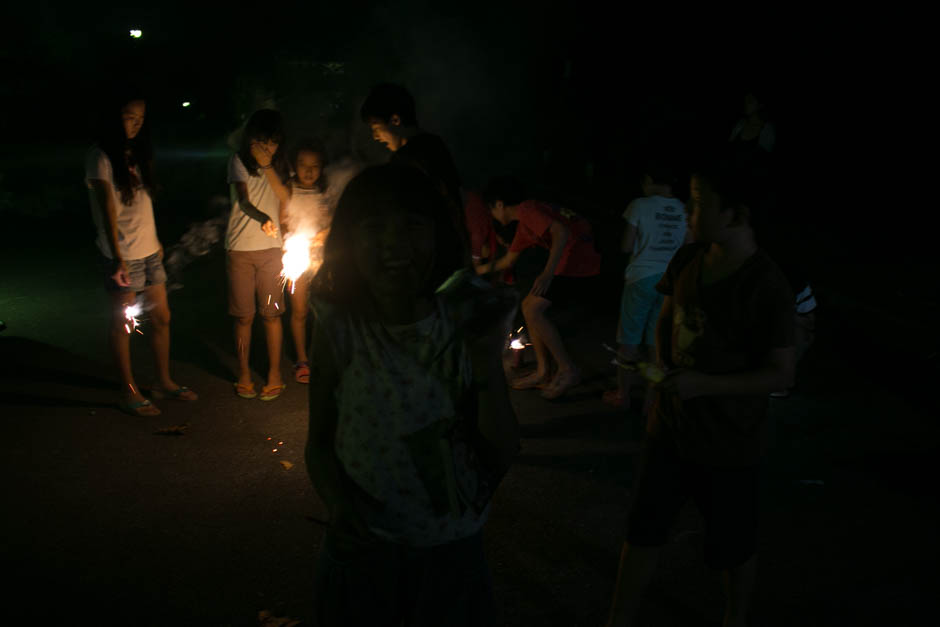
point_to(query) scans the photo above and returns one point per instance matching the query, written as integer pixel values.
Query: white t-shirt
(244, 233)
(660, 224)
(137, 233)
(308, 210)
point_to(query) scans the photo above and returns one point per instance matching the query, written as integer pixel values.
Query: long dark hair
(380, 189)
(264, 125)
(125, 153)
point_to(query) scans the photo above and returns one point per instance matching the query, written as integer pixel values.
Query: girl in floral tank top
(410, 423)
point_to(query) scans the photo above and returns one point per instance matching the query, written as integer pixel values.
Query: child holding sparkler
(253, 246)
(411, 428)
(306, 225)
(118, 174)
(572, 260)
(726, 337)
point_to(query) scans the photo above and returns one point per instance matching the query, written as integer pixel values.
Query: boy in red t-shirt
(726, 338)
(572, 258)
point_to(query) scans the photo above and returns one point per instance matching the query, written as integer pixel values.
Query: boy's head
(501, 194)
(658, 179)
(388, 110)
(719, 203)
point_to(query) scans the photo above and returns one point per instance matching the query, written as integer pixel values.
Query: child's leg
(270, 293)
(274, 335)
(120, 343)
(298, 317)
(159, 311)
(534, 309)
(242, 328)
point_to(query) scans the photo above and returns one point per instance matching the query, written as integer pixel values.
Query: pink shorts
(255, 275)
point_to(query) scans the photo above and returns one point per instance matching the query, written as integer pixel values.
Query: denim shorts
(143, 273)
(639, 310)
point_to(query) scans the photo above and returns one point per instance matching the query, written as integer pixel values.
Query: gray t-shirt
(137, 233)
(244, 233)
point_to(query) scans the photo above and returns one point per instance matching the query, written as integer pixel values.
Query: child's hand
(269, 229)
(121, 276)
(541, 284)
(261, 154)
(686, 384)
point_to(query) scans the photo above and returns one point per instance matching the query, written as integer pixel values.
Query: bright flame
(136, 33)
(130, 314)
(516, 345)
(187, 103)
(296, 259)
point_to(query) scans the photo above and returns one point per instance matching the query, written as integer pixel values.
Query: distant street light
(136, 33)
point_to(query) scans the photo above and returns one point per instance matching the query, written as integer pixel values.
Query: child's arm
(629, 239)
(267, 225)
(503, 263)
(264, 163)
(776, 373)
(560, 234)
(105, 198)
(323, 466)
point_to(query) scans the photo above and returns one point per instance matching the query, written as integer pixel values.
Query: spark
(130, 314)
(296, 259)
(276, 307)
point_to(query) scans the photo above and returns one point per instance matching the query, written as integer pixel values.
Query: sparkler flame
(296, 259)
(130, 314)
(516, 344)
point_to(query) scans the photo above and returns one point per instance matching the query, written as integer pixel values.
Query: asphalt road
(106, 522)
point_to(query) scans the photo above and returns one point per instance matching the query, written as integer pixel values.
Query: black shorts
(726, 497)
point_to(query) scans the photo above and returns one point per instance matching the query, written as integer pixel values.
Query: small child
(726, 336)
(253, 246)
(410, 423)
(308, 217)
(656, 228)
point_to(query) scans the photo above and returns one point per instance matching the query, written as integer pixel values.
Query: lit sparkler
(296, 259)
(130, 314)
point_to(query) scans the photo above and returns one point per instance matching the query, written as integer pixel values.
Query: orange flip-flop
(245, 390)
(272, 392)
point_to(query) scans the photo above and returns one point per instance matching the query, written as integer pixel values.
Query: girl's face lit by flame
(132, 116)
(309, 166)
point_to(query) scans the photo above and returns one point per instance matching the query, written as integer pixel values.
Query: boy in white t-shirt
(656, 228)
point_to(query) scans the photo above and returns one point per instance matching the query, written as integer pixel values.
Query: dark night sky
(570, 96)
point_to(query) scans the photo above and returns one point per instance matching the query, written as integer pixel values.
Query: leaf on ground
(174, 430)
(267, 619)
(286, 464)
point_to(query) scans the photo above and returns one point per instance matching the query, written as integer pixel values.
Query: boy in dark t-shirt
(726, 338)
(389, 110)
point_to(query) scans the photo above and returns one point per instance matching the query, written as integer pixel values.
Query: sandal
(302, 372)
(560, 384)
(245, 390)
(182, 393)
(141, 409)
(272, 392)
(534, 380)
